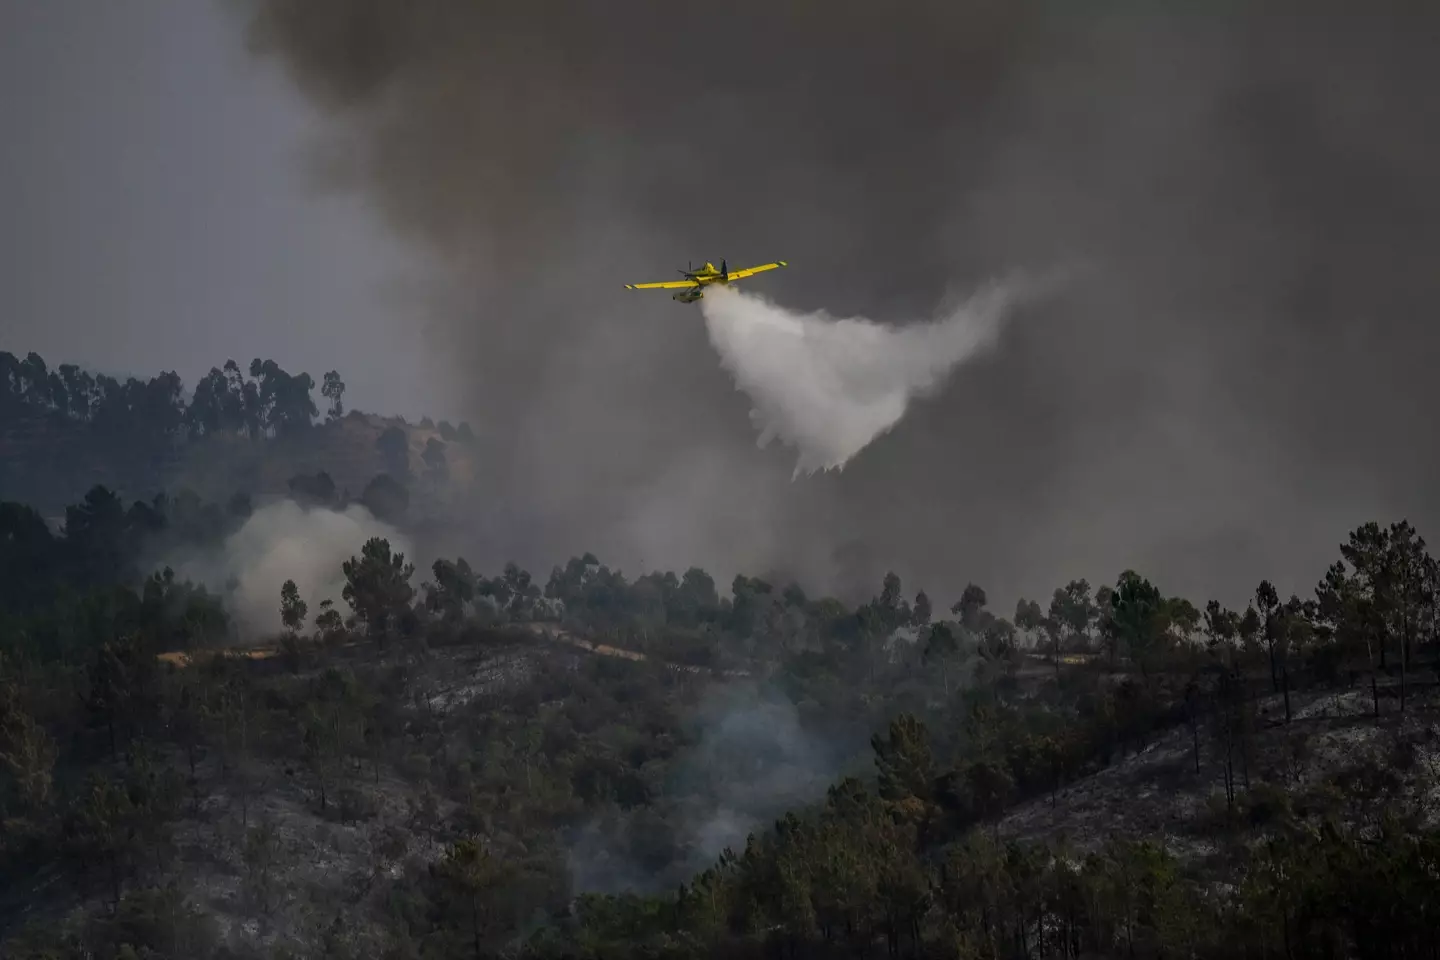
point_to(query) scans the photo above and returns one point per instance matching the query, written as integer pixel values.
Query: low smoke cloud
(754, 759)
(829, 386)
(285, 541)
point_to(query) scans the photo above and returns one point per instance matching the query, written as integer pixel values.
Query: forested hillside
(65, 430)
(424, 770)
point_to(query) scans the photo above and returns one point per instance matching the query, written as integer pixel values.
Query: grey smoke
(1241, 378)
(755, 760)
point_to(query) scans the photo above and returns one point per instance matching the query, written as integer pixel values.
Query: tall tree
(1411, 597)
(1029, 618)
(906, 774)
(244, 401)
(377, 585)
(1221, 626)
(921, 611)
(891, 608)
(292, 608)
(970, 608)
(322, 743)
(1296, 633)
(207, 413)
(516, 594)
(284, 400)
(80, 391)
(1387, 591)
(122, 685)
(328, 621)
(1347, 614)
(1182, 619)
(1072, 607)
(941, 646)
(1368, 553)
(469, 875)
(1137, 620)
(1267, 605)
(333, 389)
(695, 600)
(452, 590)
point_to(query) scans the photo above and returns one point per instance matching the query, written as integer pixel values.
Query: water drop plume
(828, 387)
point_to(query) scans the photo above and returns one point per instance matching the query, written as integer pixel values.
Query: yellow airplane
(692, 287)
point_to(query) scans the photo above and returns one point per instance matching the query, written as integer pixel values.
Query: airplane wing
(663, 285)
(751, 271)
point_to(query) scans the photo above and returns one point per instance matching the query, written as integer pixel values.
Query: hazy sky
(156, 211)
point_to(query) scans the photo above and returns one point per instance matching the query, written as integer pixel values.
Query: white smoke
(829, 387)
(755, 758)
(285, 541)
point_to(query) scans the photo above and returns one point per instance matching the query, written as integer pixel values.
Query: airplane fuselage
(703, 277)
(692, 288)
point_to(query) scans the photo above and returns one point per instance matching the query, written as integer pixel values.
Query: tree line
(268, 402)
(261, 400)
(63, 424)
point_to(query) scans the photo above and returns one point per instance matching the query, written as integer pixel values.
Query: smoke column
(285, 541)
(829, 387)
